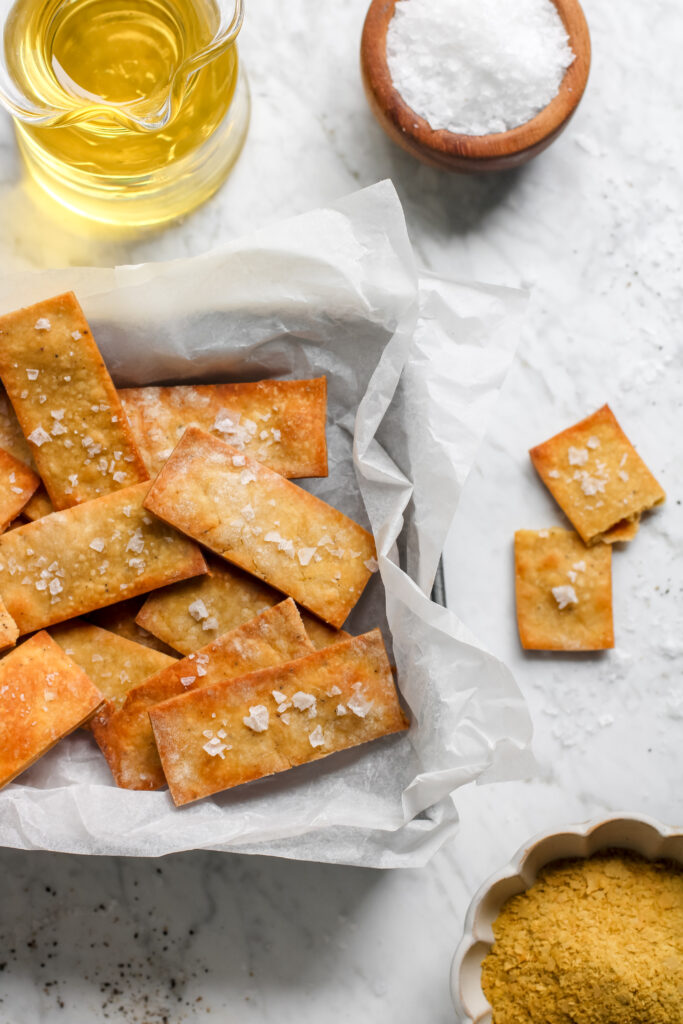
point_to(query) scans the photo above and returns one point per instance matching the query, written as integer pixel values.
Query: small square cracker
(349, 697)
(43, 696)
(596, 476)
(125, 736)
(263, 523)
(557, 558)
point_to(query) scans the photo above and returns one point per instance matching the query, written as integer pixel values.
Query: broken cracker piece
(38, 506)
(11, 436)
(596, 476)
(66, 402)
(125, 737)
(9, 631)
(279, 422)
(113, 664)
(90, 556)
(269, 721)
(563, 591)
(43, 696)
(17, 484)
(621, 532)
(187, 615)
(254, 518)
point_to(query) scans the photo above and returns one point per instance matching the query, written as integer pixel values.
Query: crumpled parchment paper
(414, 365)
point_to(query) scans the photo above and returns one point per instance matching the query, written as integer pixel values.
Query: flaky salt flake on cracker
(563, 590)
(43, 696)
(359, 667)
(597, 478)
(17, 484)
(114, 664)
(66, 403)
(200, 492)
(49, 572)
(279, 422)
(125, 736)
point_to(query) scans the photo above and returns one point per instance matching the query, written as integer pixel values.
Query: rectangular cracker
(125, 737)
(187, 615)
(563, 591)
(66, 402)
(43, 696)
(9, 631)
(266, 722)
(90, 556)
(119, 618)
(254, 518)
(596, 476)
(279, 422)
(17, 484)
(115, 665)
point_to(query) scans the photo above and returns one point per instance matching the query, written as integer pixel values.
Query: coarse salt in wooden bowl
(470, 153)
(637, 834)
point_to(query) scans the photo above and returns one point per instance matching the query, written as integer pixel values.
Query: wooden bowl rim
(461, 148)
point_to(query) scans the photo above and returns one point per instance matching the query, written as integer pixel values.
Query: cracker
(11, 436)
(115, 665)
(66, 402)
(38, 506)
(187, 615)
(595, 475)
(126, 739)
(17, 484)
(564, 592)
(264, 524)
(120, 619)
(621, 532)
(90, 556)
(279, 422)
(43, 696)
(269, 721)
(9, 631)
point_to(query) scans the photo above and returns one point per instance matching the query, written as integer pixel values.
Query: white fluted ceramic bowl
(645, 836)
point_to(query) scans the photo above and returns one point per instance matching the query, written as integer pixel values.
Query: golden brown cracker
(621, 532)
(564, 592)
(11, 436)
(9, 631)
(115, 665)
(187, 615)
(125, 737)
(38, 506)
(264, 524)
(266, 722)
(17, 484)
(66, 402)
(279, 422)
(119, 618)
(43, 696)
(90, 556)
(595, 475)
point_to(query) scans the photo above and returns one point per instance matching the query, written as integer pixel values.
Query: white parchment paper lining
(414, 366)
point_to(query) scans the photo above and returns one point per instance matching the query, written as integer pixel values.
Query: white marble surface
(594, 228)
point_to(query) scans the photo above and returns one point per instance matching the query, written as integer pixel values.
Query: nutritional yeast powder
(596, 941)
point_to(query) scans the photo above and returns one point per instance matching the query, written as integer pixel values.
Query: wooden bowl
(469, 153)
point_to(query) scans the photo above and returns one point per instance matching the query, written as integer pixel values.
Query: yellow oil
(129, 125)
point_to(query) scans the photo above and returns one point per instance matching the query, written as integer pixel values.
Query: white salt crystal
(564, 596)
(477, 66)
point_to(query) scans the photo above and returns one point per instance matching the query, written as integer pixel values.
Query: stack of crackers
(564, 578)
(167, 516)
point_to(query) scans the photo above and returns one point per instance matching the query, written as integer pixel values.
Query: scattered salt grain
(42, 324)
(257, 719)
(316, 738)
(564, 596)
(39, 436)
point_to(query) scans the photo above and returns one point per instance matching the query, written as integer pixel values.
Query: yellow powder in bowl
(595, 941)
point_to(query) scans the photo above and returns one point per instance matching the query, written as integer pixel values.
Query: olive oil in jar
(138, 107)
